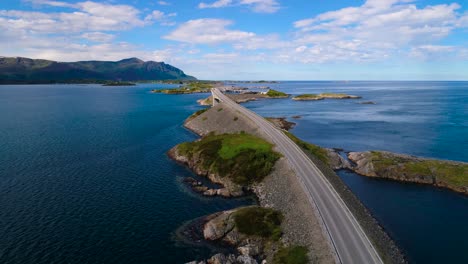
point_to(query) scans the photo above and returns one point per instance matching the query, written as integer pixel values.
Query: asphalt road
(350, 243)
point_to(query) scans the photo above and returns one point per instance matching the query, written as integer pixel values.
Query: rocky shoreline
(281, 191)
(451, 175)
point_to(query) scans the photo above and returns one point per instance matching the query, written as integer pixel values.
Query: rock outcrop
(221, 227)
(229, 189)
(447, 174)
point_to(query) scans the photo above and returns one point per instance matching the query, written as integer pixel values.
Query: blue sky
(250, 39)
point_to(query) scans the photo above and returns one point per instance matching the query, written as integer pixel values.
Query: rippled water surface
(420, 118)
(84, 177)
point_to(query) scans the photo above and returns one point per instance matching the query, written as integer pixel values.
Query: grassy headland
(244, 158)
(453, 174)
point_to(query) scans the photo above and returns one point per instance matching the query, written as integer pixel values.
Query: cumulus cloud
(259, 6)
(217, 4)
(98, 36)
(375, 30)
(207, 31)
(164, 3)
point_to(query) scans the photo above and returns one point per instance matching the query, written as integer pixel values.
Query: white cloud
(161, 17)
(259, 6)
(217, 4)
(164, 3)
(89, 16)
(374, 31)
(262, 6)
(98, 36)
(207, 31)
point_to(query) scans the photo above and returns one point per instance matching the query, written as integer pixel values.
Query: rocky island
(381, 164)
(188, 88)
(322, 96)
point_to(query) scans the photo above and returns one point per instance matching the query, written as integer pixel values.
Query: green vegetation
(308, 96)
(197, 113)
(24, 70)
(236, 118)
(220, 109)
(259, 221)
(452, 173)
(274, 93)
(291, 255)
(315, 150)
(243, 158)
(188, 88)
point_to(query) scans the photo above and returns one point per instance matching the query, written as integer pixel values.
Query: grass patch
(274, 93)
(308, 96)
(197, 113)
(220, 109)
(243, 158)
(259, 221)
(455, 174)
(315, 150)
(188, 88)
(291, 255)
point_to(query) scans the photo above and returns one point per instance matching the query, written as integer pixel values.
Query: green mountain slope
(24, 70)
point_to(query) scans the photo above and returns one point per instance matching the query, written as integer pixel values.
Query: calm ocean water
(84, 177)
(420, 118)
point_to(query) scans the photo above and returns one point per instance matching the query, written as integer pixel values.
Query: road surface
(349, 241)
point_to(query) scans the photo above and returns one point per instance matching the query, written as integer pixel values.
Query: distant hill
(24, 70)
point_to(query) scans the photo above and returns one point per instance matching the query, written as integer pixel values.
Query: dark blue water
(84, 177)
(420, 118)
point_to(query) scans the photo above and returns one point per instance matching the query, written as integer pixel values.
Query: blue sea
(84, 177)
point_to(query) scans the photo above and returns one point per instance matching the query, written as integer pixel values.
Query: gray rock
(246, 260)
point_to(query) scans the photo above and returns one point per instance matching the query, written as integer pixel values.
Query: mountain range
(18, 70)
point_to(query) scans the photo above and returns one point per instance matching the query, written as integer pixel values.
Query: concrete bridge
(216, 97)
(349, 241)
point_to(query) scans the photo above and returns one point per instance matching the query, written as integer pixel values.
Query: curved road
(348, 238)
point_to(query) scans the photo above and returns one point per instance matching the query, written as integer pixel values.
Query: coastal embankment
(279, 190)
